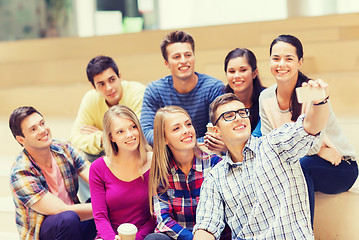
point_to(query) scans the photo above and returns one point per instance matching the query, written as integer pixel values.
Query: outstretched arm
(318, 114)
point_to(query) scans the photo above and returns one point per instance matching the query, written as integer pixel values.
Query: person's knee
(69, 220)
(305, 161)
(157, 236)
(64, 225)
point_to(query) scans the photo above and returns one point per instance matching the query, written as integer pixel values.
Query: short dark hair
(219, 101)
(16, 118)
(174, 37)
(99, 64)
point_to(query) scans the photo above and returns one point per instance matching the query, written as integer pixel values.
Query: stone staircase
(54, 69)
(336, 216)
(8, 229)
(9, 148)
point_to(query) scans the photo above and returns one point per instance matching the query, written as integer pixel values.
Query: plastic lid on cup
(127, 229)
(209, 125)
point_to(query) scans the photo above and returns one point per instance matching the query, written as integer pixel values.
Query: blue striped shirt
(161, 93)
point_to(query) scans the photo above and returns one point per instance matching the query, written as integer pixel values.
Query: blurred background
(31, 19)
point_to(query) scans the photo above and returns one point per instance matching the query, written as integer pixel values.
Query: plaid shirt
(265, 196)
(175, 211)
(28, 185)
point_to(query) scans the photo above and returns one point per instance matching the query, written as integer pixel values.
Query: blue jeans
(67, 226)
(157, 236)
(324, 177)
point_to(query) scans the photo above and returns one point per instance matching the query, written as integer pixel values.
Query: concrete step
(7, 217)
(336, 216)
(65, 59)
(4, 185)
(9, 236)
(350, 127)
(65, 99)
(8, 228)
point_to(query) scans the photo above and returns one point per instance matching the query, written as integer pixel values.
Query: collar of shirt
(53, 148)
(248, 148)
(174, 167)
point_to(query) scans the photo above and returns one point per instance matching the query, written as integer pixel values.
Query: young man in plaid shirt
(44, 183)
(258, 188)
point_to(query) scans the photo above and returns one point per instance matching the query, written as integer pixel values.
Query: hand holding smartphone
(309, 94)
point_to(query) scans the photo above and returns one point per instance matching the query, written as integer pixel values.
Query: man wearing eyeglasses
(259, 189)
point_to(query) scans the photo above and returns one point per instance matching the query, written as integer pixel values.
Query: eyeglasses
(231, 115)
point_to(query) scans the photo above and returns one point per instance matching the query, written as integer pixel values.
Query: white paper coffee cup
(209, 127)
(127, 231)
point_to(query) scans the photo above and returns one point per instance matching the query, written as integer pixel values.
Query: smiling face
(240, 75)
(37, 135)
(125, 134)
(284, 63)
(108, 84)
(179, 132)
(180, 60)
(232, 132)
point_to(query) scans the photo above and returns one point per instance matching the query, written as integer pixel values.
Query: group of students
(155, 165)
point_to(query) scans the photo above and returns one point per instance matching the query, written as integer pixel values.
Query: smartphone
(308, 94)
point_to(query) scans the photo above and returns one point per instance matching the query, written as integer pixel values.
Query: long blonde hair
(110, 147)
(161, 152)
